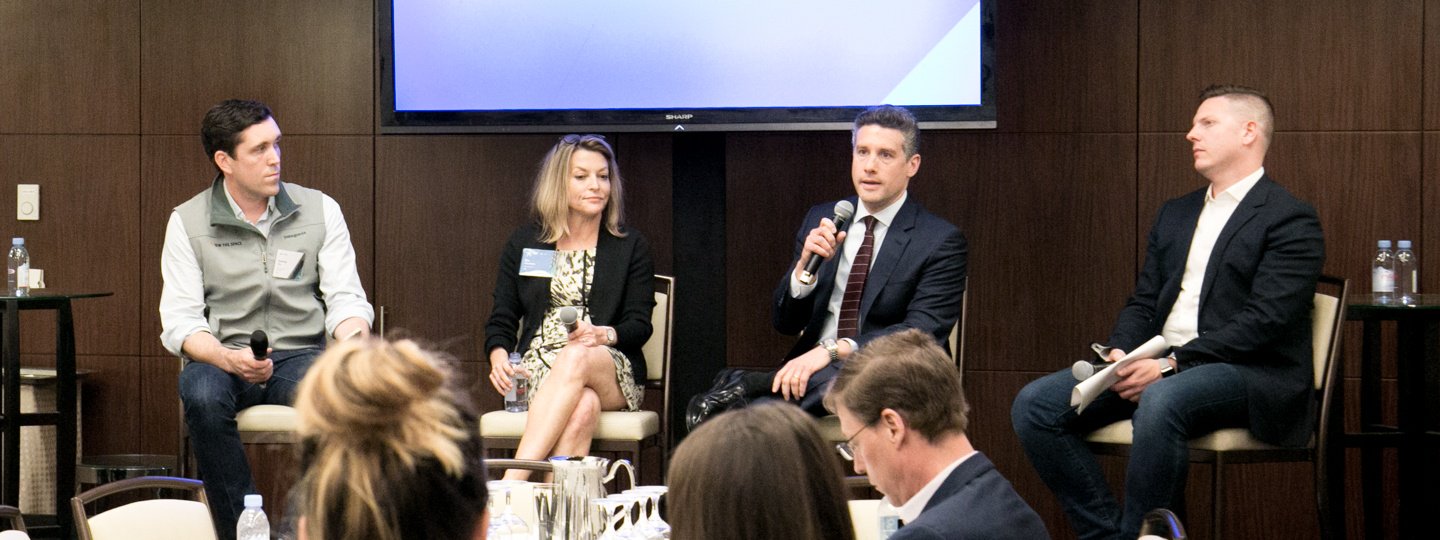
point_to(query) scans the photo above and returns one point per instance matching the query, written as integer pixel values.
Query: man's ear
(224, 162)
(893, 424)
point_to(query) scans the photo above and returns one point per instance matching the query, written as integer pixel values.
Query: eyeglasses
(847, 451)
(577, 139)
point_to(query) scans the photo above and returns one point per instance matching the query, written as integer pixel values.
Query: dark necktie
(849, 324)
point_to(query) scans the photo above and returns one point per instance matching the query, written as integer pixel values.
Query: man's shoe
(728, 392)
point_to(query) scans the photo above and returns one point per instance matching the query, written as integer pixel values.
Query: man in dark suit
(903, 413)
(898, 267)
(1228, 281)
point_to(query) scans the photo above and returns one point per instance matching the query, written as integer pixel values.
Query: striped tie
(849, 324)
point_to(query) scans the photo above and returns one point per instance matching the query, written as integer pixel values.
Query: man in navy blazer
(903, 414)
(1228, 281)
(913, 272)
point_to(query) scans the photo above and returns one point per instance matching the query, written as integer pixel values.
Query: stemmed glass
(653, 521)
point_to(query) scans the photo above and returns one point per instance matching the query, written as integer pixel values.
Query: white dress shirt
(910, 511)
(854, 236)
(1182, 324)
(182, 300)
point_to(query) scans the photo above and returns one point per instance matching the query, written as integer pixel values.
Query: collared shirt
(910, 511)
(854, 236)
(182, 300)
(1182, 324)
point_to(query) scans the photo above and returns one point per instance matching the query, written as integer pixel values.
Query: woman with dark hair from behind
(390, 448)
(758, 473)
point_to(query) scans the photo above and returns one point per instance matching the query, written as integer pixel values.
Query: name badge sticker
(537, 263)
(287, 263)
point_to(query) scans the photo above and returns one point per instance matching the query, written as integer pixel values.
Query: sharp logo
(679, 116)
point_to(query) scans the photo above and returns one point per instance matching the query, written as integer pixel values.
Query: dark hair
(1255, 101)
(758, 473)
(908, 373)
(220, 130)
(389, 448)
(890, 116)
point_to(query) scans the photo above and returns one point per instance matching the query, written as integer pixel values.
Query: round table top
(49, 294)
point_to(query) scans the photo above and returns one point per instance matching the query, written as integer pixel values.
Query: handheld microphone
(568, 317)
(843, 212)
(1085, 369)
(260, 346)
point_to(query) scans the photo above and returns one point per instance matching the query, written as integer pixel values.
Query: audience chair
(151, 519)
(830, 425)
(1237, 445)
(497, 467)
(630, 433)
(1161, 523)
(12, 515)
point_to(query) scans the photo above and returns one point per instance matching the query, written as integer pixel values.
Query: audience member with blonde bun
(758, 473)
(390, 448)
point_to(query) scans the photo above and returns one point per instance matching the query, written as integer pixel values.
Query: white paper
(1089, 389)
(286, 263)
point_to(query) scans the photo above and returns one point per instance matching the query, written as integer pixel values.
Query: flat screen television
(681, 65)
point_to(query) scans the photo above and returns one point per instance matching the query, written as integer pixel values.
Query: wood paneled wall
(100, 102)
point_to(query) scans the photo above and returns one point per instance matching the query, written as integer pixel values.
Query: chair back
(1327, 317)
(657, 349)
(152, 519)
(957, 334)
(12, 515)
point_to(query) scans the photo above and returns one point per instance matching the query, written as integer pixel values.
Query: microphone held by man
(844, 210)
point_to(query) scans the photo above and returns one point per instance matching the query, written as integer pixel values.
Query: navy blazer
(915, 282)
(975, 501)
(1255, 301)
(622, 294)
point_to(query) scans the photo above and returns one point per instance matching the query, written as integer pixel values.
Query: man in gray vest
(250, 253)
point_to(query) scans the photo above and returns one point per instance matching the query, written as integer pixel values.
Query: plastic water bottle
(17, 274)
(518, 398)
(1407, 273)
(1382, 273)
(253, 524)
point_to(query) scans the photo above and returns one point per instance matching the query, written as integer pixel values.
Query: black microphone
(843, 212)
(568, 317)
(260, 346)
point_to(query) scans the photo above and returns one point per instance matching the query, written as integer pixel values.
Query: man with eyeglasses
(902, 411)
(894, 266)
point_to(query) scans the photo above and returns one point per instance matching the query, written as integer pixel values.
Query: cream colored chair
(630, 433)
(17, 521)
(151, 519)
(830, 425)
(1237, 445)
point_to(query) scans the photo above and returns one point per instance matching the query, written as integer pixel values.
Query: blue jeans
(211, 398)
(1171, 411)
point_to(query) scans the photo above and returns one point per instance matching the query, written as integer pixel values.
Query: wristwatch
(1166, 369)
(610, 335)
(832, 348)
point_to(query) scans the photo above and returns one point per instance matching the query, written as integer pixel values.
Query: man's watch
(610, 335)
(832, 348)
(1166, 369)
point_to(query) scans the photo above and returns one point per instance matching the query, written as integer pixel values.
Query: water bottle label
(1382, 281)
(888, 526)
(22, 276)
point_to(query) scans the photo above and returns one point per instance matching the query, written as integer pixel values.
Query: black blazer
(915, 282)
(622, 294)
(975, 501)
(1255, 301)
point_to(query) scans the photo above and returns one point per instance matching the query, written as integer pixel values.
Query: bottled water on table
(17, 275)
(1382, 273)
(1407, 273)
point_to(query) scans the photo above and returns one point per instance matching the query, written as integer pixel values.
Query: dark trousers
(1171, 411)
(211, 398)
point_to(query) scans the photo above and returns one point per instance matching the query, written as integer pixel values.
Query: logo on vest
(296, 234)
(229, 244)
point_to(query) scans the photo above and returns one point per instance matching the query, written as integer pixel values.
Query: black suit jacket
(622, 293)
(915, 281)
(1255, 301)
(975, 501)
